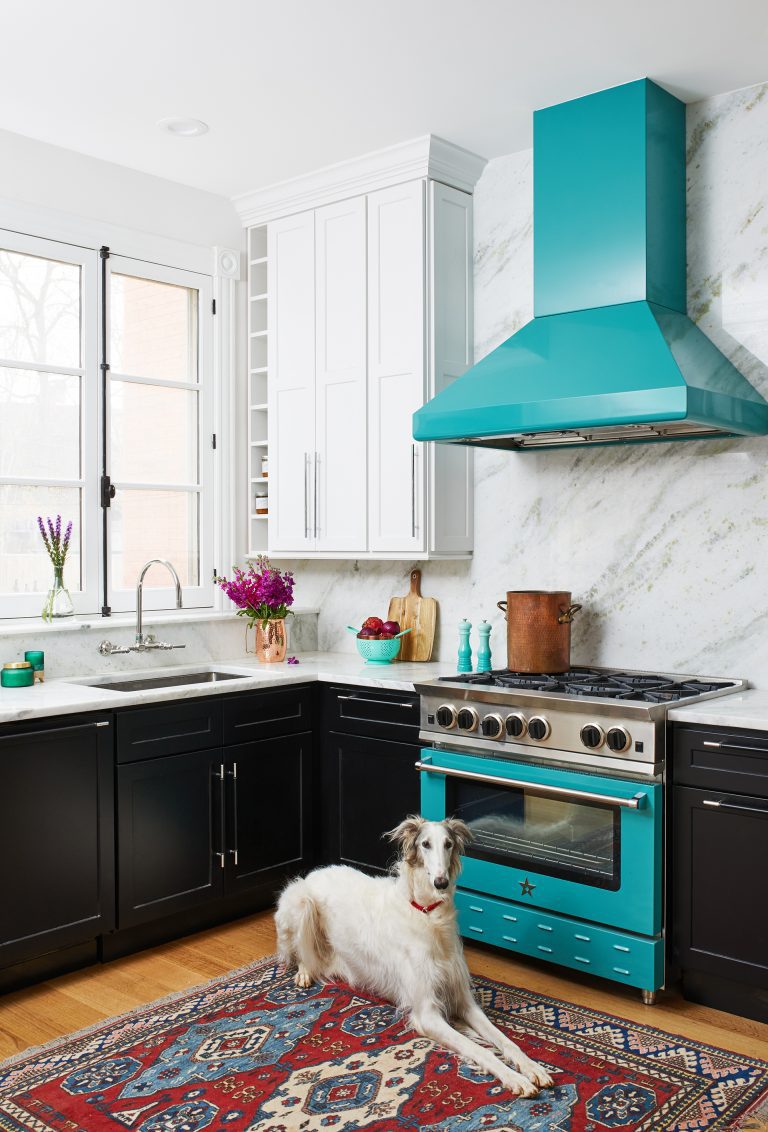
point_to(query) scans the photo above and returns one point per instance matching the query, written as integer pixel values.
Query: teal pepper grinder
(465, 650)
(484, 648)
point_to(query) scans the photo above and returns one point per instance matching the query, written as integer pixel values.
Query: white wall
(666, 545)
(36, 173)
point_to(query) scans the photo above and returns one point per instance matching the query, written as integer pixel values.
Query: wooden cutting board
(418, 614)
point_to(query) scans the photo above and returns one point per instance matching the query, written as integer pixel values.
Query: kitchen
(660, 543)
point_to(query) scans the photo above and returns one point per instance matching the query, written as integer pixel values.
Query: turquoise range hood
(610, 355)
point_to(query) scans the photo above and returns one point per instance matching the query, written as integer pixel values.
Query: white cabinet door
(396, 367)
(340, 374)
(291, 382)
(451, 466)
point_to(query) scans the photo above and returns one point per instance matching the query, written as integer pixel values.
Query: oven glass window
(569, 839)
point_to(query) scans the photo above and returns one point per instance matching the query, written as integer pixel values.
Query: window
(155, 419)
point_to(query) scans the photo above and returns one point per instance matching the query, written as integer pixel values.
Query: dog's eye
(425, 845)
(448, 844)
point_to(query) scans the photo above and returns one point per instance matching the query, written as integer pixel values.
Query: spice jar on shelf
(265, 467)
(261, 504)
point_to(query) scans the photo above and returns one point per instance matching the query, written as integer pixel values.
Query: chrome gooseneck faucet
(144, 643)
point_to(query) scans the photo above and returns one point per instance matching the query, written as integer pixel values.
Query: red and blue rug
(252, 1052)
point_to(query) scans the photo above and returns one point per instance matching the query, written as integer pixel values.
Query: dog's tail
(301, 935)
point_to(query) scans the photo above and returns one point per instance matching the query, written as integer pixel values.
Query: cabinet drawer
(617, 955)
(714, 758)
(373, 711)
(168, 729)
(260, 715)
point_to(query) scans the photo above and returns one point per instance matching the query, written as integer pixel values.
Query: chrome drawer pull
(621, 970)
(583, 938)
(541, 947)
(708, 743)
(736, 747)
(618, 947)
(472, 928)
(535, 788)
(581, 959)
(733, 806)
(379, 703)
(545, 927)
(474, 908)
(509, 938)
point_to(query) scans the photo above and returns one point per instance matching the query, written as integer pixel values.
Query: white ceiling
(288, 86)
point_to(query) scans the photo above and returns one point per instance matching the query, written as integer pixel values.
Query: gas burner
(596, 683)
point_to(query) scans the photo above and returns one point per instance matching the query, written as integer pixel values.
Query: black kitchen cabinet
(200, 826)
(369, 781)
(56, 838)
(720, 868)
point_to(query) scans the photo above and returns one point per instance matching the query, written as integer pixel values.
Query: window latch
(108, 491)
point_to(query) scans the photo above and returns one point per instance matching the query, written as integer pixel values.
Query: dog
(396, 937)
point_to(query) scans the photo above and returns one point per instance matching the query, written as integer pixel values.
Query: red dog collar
(428, 909)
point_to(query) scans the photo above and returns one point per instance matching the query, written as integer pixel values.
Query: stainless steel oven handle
(634, 803)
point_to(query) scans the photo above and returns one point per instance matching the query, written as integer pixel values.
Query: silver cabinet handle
(413, 491)
(733, 806)
(379, 703)
(306, 495)
(233, 775)
(634, 803)
(53, 731)
(219, 776)
(736, 747)
(317, 462)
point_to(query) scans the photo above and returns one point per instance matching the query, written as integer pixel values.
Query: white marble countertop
(743, 709)
(72, 694)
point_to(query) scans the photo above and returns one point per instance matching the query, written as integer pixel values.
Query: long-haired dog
(396, 937)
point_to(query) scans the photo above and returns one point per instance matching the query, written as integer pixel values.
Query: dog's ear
(459, 831)
(405, 835)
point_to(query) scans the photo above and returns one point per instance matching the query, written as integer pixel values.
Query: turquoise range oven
(564, 866)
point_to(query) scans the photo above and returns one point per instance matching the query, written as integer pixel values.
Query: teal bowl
(377, 652)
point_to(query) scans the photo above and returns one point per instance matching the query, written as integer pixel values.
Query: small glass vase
(267, 640)
(58, 601)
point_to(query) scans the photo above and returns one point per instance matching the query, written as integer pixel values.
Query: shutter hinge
(107, 491)
(213, 306)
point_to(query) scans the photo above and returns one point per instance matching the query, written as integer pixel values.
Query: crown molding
(427, 156)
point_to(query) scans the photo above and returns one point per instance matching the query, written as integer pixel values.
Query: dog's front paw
(535, 1072)
(518, 1084)
(303, 978)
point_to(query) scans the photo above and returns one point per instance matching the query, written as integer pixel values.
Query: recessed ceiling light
(183, 127)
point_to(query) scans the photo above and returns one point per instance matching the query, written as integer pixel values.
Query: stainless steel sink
(144, 683)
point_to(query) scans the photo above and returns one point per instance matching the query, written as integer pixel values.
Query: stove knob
(618, 739)
(446, 716)
(592, 736)
(467, 719)
(516, 725)
(538, 727)
(492, 726)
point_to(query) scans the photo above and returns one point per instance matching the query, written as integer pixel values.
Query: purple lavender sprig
(56, 546)
(260, 592)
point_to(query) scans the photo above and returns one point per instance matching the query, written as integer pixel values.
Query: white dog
(396, 937)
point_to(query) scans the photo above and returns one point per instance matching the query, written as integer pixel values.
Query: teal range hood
(610, 355)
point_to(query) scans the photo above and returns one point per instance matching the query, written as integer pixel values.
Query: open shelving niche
(257, 385)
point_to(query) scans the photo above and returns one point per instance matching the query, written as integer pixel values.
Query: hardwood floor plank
(52, 1009)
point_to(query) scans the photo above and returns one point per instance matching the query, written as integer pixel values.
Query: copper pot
(538, 630)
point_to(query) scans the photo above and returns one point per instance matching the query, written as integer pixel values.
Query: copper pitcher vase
(539, 629)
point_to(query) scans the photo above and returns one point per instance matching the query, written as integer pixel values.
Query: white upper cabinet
(369, 315)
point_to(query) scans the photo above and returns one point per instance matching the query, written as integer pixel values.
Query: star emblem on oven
(526, 886)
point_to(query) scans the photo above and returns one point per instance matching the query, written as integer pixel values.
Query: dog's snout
(441, 882)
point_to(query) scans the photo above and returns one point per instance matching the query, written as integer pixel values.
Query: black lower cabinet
(719, 910)
(369, 780)
(56, 840)
(169, 832)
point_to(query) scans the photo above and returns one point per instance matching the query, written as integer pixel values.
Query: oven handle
(635, 803)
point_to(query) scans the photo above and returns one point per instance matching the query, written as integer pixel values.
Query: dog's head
(435, 846)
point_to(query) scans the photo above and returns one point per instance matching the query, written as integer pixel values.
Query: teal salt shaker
(484, 647)
(465, 650)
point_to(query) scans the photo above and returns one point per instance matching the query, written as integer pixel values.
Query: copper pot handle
(566, 613)
(502, 605)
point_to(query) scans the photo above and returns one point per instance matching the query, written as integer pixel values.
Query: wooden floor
(37, 1014)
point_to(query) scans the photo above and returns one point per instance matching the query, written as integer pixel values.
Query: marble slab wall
(666, 545)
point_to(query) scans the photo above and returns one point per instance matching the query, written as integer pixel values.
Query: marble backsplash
(72, 648)
(664, 544)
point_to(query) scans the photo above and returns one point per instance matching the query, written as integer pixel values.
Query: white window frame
(85, 600)
(202, 595)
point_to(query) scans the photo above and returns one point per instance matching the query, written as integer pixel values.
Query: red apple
(374, 623)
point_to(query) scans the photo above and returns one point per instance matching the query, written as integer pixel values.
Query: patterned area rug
(252, 1052)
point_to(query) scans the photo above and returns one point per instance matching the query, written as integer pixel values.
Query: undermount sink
(144, 683)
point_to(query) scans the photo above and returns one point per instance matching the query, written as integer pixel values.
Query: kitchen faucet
(146, 643)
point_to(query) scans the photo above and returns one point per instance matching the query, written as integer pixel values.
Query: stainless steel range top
(601, 718)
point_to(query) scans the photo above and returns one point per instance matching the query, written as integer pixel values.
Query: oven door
(576, 844)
